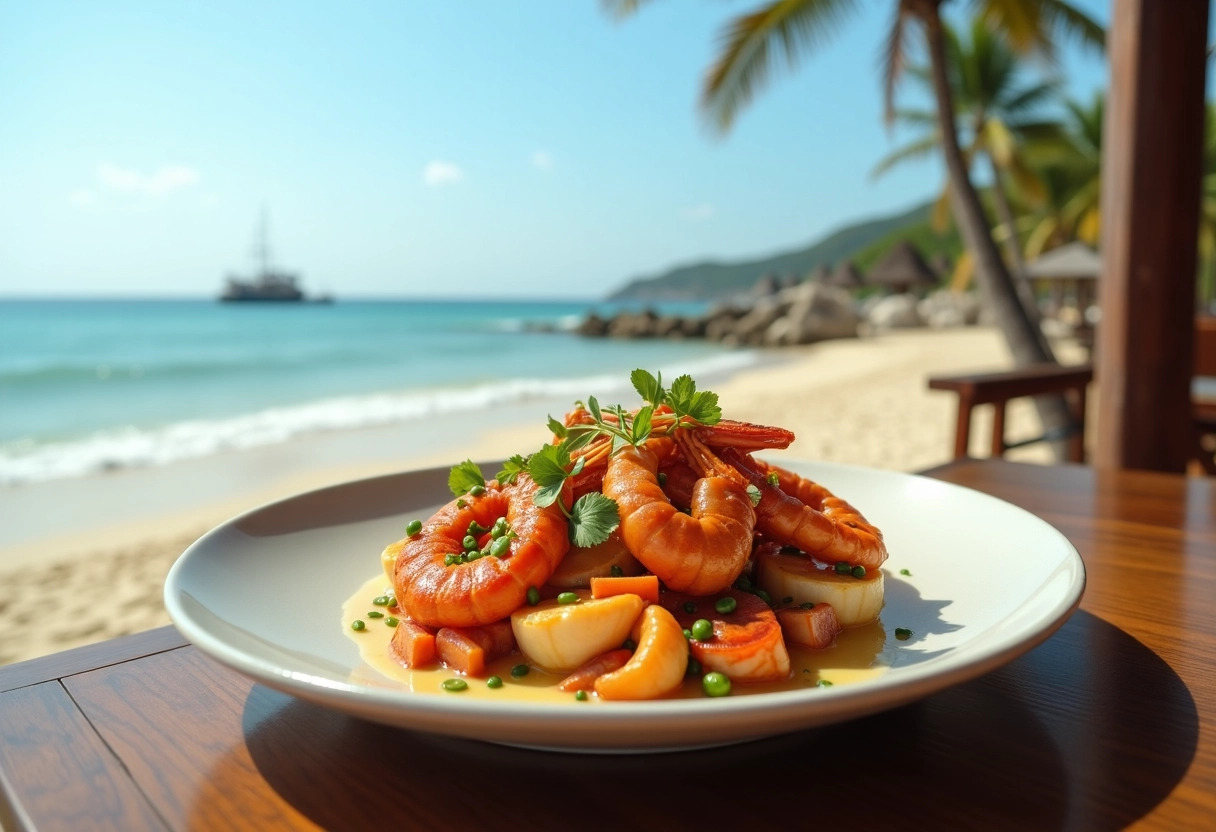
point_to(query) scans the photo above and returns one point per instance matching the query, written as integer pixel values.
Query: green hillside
(863, 242)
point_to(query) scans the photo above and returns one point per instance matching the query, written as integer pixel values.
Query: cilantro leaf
(649, 387)
(547, 468)
(557, 428)
(511, 469)
(641, 425)
(464, 476)
(704, 408)
(592, 519)
(593, 406)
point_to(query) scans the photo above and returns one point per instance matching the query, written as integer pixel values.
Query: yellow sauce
(860, 653)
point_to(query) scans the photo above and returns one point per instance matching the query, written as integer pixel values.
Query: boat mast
(261, 244)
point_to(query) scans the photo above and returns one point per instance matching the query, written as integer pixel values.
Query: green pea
(690, 607)
(907, 572)
(616, 571)
(448, 560)
(702, 629)
(391, 622)
(688, 634)
(375, 614)
(413, 527)
(567, 597)
(725, 605)
(694, 667)
(499, 528)
(477, 491)
(763, 596)
(771, 479)
(843, 568)
(580, 695)
(500, 546)
(533, 596)
(494, 682)
(461, 504)
(903, 633)
(859, 571)
(743, 583)
(520, 670)
(357, 625)
(469, 543)
(382, 600)
(715, 684)
(454, 685)
(823, 683)
(807, 605)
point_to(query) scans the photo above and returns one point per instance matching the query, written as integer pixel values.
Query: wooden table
(1109, 723)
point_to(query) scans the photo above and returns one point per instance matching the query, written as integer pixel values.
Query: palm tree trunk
(1022, 334)
(1013, 247)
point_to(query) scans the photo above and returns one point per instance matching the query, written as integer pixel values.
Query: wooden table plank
(175, 720)
(57, 771)
(89, 657)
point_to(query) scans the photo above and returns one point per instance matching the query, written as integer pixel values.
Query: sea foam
(23, 461)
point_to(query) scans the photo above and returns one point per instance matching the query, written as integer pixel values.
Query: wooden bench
(998, 388)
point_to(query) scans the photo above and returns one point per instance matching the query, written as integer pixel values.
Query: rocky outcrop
(770, 315)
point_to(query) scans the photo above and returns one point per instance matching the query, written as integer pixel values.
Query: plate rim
(812, 706)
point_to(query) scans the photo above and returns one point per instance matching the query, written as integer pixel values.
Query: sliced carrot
(644, 586)
(413, 645)
(584, 677)
(816, 627)
(467, 649)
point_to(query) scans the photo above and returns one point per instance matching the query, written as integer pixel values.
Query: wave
(25, 461)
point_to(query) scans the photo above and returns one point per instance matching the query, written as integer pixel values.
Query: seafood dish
(639, 552)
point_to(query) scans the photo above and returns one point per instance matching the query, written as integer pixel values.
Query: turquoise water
(93, 385)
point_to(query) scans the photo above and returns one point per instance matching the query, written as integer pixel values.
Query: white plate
(263, 594)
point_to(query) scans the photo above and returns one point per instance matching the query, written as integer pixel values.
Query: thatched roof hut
(902, 270)
(846, 276)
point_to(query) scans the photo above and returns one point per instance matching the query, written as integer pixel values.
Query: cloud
(697, 213)
(441, 173)
(166, 178)
(82, 198)
(542, 160)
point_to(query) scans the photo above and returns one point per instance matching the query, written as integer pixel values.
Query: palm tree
(995, 119)
(790, 28)
(1069, 168)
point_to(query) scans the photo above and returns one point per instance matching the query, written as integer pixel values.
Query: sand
(108, 541)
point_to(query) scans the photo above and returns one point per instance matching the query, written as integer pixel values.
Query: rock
(945, 308)
(593, 326)
(895, 312)
(816, 313)
(633, 324)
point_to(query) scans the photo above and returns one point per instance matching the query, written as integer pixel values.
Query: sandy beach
(108, 540)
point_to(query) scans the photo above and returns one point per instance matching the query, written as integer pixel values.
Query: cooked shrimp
(802, 513)
(489, 588)
(747, 643)
(699, 553)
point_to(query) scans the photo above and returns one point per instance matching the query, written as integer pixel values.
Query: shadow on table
(1049, 741)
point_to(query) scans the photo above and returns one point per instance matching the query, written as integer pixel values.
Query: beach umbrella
(902, 270)
(1075, 261)
(1069, 274)
(846, 276)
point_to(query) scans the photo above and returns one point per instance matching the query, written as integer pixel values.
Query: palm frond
(621, 9)
(939, 219)
(1066, 18)
(894, 62)
(786, 27)
(919, 149)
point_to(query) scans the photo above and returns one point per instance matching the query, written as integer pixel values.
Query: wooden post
(1151, 174)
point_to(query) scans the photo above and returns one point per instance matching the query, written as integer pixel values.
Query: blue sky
(536, 149)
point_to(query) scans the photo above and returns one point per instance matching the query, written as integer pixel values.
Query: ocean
(94, 385)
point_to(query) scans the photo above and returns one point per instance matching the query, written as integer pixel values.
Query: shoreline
(858, 401)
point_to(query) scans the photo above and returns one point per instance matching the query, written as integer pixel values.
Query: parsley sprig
(593, 517)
